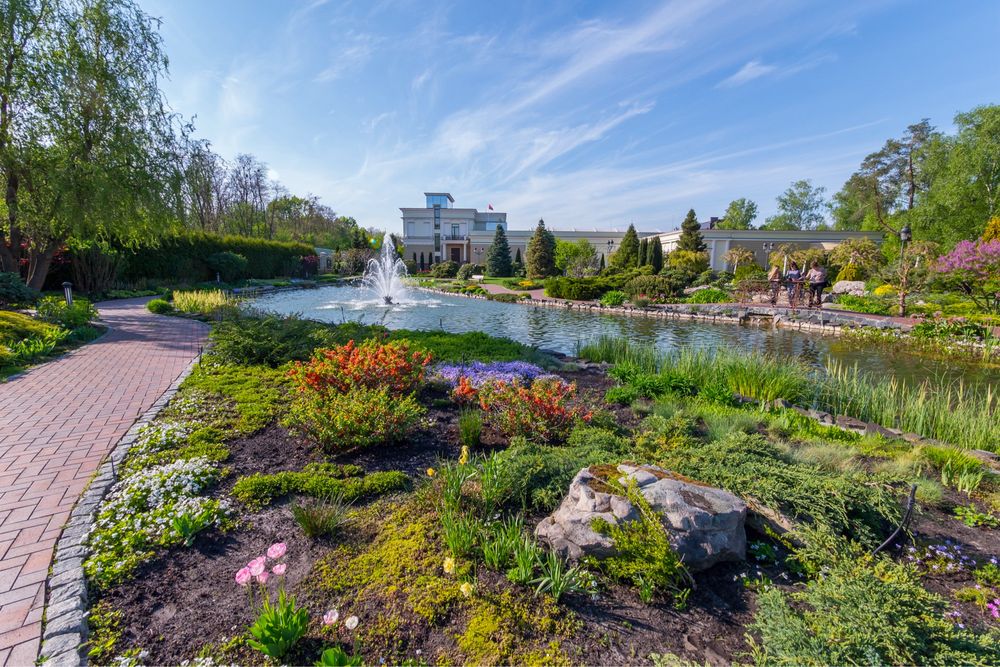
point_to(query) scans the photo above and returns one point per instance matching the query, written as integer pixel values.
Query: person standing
(794, 283)
(774, 278)
(817, 282)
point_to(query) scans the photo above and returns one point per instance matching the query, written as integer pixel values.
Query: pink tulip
(262, 577)
(279, 569)
(277, 550)
(243, 576)
(330, 617)
(256, 567)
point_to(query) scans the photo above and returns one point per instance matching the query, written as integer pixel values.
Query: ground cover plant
(412, 542)
(26, 340)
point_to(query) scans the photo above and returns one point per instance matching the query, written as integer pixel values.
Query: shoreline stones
(705, 525)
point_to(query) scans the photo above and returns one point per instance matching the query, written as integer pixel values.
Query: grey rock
(852, 287)
(75, 589)
(915, 438)
(705, 525)
(782, 403)
(63, 644)
(67, 623)
(821, 417)
(62, 565)
(878, 429)
(64, 607)
(851, 424)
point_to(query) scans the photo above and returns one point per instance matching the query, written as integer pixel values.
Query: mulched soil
(187, 598)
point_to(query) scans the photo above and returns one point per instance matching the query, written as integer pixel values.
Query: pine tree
(656, 254)
(498, 256)
(691, 239)
(627, 255)
(602, 262)
(517, 257)
(422, 261)
(643, 252)
(541, 253)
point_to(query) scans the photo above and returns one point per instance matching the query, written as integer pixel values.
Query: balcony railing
(455, 237)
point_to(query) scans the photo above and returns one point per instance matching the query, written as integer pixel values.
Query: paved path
(57, 422)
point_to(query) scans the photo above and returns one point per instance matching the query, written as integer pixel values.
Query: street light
(478, 251)
(905, 235)
(68, 292)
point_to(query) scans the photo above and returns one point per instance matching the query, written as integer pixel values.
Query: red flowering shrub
(395, 366)
(538, 411)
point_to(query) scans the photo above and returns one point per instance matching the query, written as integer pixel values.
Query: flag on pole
(489, 207)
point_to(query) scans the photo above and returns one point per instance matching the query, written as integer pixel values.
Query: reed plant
(948, 411)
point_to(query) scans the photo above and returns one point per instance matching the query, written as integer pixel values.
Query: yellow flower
(431, 472)
(449, 565)
(464, 458)
(466, 589)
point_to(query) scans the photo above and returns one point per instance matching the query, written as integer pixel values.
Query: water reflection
(561, 330)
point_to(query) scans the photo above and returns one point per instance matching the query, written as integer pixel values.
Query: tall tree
(799, 207)
(541, 253)
(740, 214)
(627, 255)
(655, 254)
(576, 258)
(98, 155)
(498, 255)
(691, 238)
(643, 252)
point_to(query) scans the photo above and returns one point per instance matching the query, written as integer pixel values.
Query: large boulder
(852, 287)
(705, 525)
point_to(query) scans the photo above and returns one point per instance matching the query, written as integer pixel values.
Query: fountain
(384, 274)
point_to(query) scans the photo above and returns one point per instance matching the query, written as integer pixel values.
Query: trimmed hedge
(189, 257)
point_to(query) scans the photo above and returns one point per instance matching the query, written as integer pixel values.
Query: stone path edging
(66, 630)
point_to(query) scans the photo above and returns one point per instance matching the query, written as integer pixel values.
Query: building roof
(440, 194)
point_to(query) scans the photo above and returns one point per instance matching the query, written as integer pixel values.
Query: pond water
(562, 330)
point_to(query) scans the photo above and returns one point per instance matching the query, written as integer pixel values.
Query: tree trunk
(39, 262)
(9, 255)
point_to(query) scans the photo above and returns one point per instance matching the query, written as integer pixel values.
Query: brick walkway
(57, 422)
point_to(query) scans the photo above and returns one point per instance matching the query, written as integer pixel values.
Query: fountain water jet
(384, 274)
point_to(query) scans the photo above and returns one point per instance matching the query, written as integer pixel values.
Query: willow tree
(91, 152)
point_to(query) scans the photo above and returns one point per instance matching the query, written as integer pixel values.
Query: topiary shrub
(654, 288)
(229, 265)
(160, 306)
(447, 269)
(850, 272)
(14, 291)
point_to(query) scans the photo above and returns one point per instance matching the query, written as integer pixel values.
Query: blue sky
(589, 114)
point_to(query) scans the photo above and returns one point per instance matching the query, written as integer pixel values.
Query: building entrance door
(456, 255)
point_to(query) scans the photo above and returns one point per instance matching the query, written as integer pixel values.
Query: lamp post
(768, 246)
(478, 251)
(68, 293)
(905, 235)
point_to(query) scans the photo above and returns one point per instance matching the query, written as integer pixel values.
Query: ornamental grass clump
(538, 411)
(203, 302)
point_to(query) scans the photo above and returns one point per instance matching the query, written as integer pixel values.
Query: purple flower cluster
(480, 373)
(944, 558)
(980, 259)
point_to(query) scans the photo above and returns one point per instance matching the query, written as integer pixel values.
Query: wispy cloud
(355, 53)
(750, 71)
(420, 80)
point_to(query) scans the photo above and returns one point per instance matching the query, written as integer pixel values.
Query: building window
(454, 231)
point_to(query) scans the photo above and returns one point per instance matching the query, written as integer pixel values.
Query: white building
(442, 232)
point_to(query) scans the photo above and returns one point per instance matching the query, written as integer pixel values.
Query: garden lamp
(904, 234)
(68, 292)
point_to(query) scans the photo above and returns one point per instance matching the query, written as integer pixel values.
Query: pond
(562, 330)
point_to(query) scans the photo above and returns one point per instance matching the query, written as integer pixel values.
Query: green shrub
(229, 266)
(623, 394)
(655, 288)
(540, 475)
(318, 481)
(751, 271)
(864, 610)
(466, 271)
(849, 503)
(55, 310)
(360, 418)
(710, 295)
(14, 291)
(613, 298)
(279, 626)
(185, 257)
(446, 269)
(274, 340)
(850, 272)
(865, 304)
(504, 298)
(160, 306)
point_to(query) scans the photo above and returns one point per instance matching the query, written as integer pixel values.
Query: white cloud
(357, 50)
(750, 71)
(421, 79)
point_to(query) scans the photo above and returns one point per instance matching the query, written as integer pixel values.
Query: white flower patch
(161, 435)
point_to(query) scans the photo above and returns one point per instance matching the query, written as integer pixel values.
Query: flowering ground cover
(230, 539)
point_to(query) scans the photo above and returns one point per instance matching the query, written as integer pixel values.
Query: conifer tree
(655, 254)
(643, 252)
(498, 255)
(691, 238)
(541, 253)
(627, 255)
